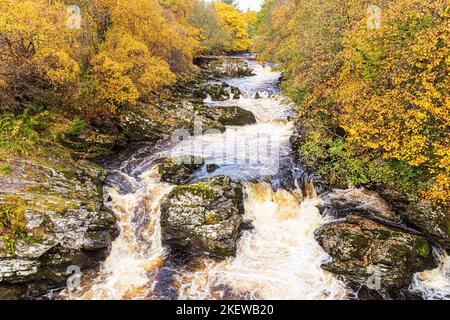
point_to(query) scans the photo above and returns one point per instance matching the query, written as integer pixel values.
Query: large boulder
(228, 67)
(372, 255)
(164, 119)
(180, 170)
(142, 124)
(205, 216)
(89, 143)
(52, 218)
(432, 220)
(234, 116)
(367, 203)
(226, 115)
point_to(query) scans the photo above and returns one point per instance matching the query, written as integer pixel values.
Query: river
(277, 259)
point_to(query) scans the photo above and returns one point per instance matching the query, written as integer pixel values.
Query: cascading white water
(434, 284)
(278, 259)
(130, 270)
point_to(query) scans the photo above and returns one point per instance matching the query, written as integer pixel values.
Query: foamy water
(278, 259)
(129, 272)
(434, 284)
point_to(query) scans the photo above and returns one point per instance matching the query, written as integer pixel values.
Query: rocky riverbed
(165, 221)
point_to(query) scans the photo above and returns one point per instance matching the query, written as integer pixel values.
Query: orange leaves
(236, 23)
(387, 87)
(111, 87)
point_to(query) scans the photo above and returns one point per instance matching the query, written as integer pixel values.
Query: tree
(213, 34)
(235, 24)
(374, 101)
(230, 2)
(36, 61)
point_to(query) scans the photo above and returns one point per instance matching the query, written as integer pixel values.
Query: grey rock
(362, 249)
(64, 222)
(180, 170)
(205, 216)
(432, 220)
(361, 201)
(234, 116)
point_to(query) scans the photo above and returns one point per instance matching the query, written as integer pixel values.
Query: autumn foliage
(102, 55)
(374, 99)
(236, 23)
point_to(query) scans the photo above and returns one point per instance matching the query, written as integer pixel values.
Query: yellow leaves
(164, 35)
(35, 49)
(148, 73)
(57, 67)
(236, 23)
(156, 75)
(409, 91)
(111, 87)
(388, 89)
(439, 189)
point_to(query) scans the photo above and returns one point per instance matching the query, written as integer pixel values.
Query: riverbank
(241, 219)
(52, 210)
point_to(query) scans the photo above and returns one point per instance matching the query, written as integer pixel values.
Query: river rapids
(277, 259)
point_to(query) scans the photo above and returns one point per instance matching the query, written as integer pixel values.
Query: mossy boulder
(234, 116)
(56, 219)
(90, 143)
(432, 220)
(204, 217)
(217, 92)
(372, 255)
(228, 67)
(139, 125)
(180, 170)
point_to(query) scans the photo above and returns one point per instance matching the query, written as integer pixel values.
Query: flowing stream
(278, 259)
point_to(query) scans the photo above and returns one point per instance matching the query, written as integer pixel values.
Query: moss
(211, 219)
(37, 188)
(38, 232)
(54, 203)
(447, 224)
(196, 189)
(424, 248)
(92, 206)
(6, 169)
(12, 222)
(76, 129)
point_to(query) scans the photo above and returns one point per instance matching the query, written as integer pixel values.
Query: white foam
(279, 259)
(434, 284)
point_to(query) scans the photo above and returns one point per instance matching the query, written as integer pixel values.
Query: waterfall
(277, 259)
(434, 284)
